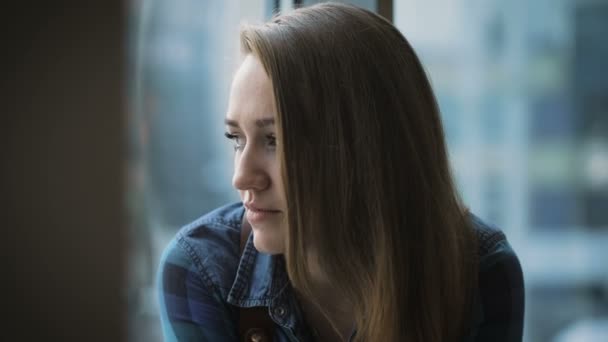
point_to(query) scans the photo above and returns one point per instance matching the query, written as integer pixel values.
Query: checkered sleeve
(502, 294)
(190, 308)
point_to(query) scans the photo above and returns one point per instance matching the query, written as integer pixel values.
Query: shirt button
(256, 335)
(280, 311)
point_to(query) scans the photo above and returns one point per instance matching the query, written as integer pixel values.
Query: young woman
(358, 233)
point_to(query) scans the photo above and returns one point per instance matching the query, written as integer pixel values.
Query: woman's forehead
(251, 94)
(252, 70)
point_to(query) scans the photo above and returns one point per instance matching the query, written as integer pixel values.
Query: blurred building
(522, 86)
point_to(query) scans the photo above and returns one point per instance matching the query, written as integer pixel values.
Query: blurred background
(523, 90)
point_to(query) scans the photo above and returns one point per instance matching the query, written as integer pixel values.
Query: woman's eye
(272, 140)
(238, 145)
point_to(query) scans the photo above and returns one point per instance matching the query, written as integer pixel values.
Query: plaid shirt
(203, 281)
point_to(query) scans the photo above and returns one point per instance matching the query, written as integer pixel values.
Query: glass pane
(182, 55)
(523, 91)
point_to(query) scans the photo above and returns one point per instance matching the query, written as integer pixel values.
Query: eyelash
(272, 140)
(234, 138)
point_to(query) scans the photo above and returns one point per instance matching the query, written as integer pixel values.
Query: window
(532, 148)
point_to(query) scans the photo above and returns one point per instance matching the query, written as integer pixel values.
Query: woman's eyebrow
(260, 123)
(230, 122)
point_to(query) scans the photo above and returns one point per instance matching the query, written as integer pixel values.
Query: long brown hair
(366, 172)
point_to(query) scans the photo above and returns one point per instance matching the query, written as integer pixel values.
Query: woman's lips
(255, 215)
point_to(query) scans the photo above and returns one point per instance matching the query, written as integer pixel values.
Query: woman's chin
(266, 244)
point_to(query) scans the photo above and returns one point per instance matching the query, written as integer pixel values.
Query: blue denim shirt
(203, 281)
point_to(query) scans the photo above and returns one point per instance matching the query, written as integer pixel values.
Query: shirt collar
(260, 278)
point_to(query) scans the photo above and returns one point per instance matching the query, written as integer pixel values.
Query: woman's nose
(249, 172)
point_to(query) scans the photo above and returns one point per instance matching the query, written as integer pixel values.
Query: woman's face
(250, 123)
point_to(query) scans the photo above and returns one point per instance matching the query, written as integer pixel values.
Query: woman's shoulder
(208, 247)
(226, 217)
(499, 315)
(492, 243)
